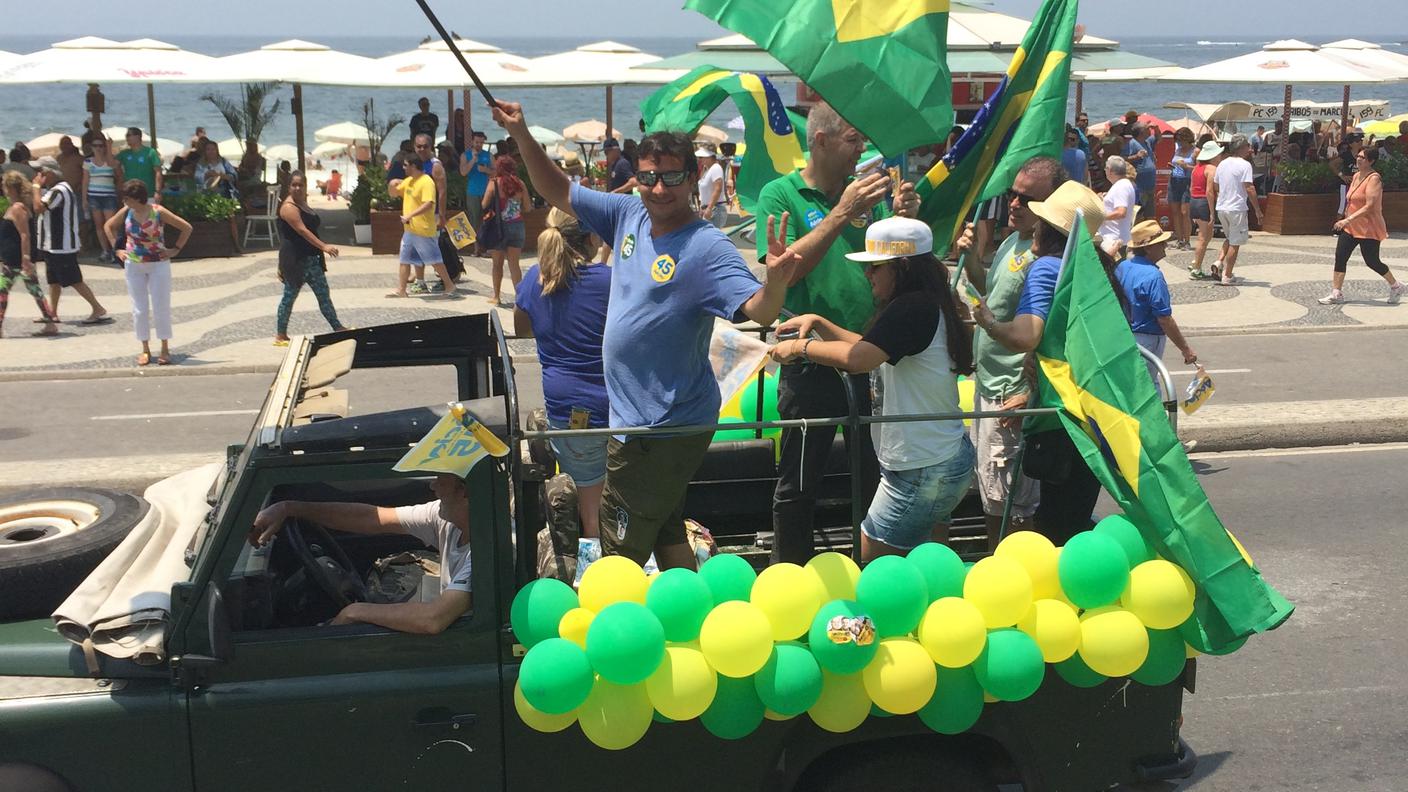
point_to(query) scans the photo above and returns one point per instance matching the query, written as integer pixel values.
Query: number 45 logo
(628, 246)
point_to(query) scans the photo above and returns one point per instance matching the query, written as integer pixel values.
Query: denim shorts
(582, 458)
(515, 234)
(1178, 189)
(417, 249)
(102, 203)
(909, 503)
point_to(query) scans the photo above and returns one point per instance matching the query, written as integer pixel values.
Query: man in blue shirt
(617, 167)
(475, 167)
(674, 275)
(1150, 307)
(1139, 152)
(1073, 159)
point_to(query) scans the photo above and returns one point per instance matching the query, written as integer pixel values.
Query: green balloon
(658, 718)
(736, 710)
(876, 712)
(729, 577)
(726, 435)
(556, 676)
(537, 609)
(1165, 661)
(1119, 528)
(1093, 569)
(957, 702)
(1010, 666)
(790, 682)
(839, 658)
(942, 569)
(625, 643)
(892, 591)
(681, 600)
(1193, 633)
(1078, 674)
(748, 400)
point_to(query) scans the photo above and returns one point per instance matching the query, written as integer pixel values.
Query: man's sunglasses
(671, 178)
(1022, 199)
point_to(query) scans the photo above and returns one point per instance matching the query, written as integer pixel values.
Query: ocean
(28, 111)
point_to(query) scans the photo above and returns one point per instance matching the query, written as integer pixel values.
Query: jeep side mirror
(218, 626)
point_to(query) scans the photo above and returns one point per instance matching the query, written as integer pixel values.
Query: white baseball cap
(703, 152)
(895, 237)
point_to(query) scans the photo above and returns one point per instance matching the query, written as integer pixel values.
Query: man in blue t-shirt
(475, 167)
(674, 275)
(617, 166)
(1139, 152)
(1150, 306)
(1073, 160)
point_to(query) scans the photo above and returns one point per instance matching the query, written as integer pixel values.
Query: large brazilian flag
(882, 64)
(773, 145)
(1025, 117)
(1090, 368)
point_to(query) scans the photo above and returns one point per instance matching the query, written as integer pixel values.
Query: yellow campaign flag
(454, 445)
(461, 232)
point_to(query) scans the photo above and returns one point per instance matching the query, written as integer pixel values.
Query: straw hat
(1209, 150)
(1060, 209)
(1148, 233)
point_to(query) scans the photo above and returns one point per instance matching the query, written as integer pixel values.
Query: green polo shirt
(140, 164)
(836, 289)
(999, 370)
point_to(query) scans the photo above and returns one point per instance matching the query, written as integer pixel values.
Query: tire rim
(27, 524)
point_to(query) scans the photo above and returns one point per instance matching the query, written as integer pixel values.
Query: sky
(481, 19)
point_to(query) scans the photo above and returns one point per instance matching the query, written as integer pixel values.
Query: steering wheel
(331, 569)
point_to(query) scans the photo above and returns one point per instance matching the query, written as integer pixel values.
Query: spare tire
(51, 539)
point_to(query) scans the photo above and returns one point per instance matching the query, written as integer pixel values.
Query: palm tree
(247, 118)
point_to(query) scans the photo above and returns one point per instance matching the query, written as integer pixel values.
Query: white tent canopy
(1368, 56)
(432, 65)
(331, 149)
(592, 131)
(344, 133)
(98, 60)
(233, 148)
(291, 61)
(604, 63)
(1288, 62)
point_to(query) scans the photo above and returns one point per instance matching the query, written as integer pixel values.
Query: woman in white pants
(147, 263)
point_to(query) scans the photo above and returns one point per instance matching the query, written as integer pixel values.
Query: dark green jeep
(226, 681)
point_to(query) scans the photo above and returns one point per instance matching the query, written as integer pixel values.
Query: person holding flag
(831, 208)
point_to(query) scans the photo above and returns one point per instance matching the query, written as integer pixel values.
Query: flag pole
(1070, 243)
(450, 42)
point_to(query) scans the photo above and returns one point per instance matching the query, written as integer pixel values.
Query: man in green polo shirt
(141, 162)
(830, 208)
(1001, 384)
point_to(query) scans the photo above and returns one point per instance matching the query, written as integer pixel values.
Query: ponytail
(561, 249)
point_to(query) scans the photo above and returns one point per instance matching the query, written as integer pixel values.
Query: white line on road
(1229, 371)
(1280, 452)
(147, 416)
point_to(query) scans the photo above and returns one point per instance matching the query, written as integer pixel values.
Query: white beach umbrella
(544, 136)
(233, 148)
(1367, 55)
(604, 63)
(710, 134)
(432, 65)
(589, 131)
(47, 144)
(330, 150)
(282, 151)
(343, 132)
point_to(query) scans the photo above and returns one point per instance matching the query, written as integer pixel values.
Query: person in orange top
(1363, 227)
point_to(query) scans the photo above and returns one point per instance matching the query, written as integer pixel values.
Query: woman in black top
(301, 257)
(17, 246)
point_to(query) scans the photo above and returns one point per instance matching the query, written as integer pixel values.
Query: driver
(441, 523)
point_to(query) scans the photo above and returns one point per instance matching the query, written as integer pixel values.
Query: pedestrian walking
(1363, 227)
(1120, 203)
(1074, 159)
(1199, 210)
(1150, 310)
(59, 218)
(17, 235)
(147, 265)
(302, 257)
(1180, 180)
(476, 168)
(420, 241)
(1139, 153)
(1233, 195)
(712, 207)
(503, 208)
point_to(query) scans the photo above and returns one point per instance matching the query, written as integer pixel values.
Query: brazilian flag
(1025, 117)
(882, 64)
(773, 145)
(1090, 368)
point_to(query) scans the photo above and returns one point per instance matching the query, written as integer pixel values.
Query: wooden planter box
(386, 232)
(1300, 214)
(1396, 210)
(534, 221)
(209, 239)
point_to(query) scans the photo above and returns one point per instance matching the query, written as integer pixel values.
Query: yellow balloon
(1189, 652)
(843, 704)
(989, 698)
(1001, 588)
(1245, 555)
(953, 632)
(789, 596)
(615, 716)
(612, 579)
(684, 685)
(1037, 555)
(901, 679)
(736, 638)
(1055, 628)
(1160, 593)
(966, 388)
(574, 624)
(838, 575)
(537, 719)
(773, 716)
(1113, 641)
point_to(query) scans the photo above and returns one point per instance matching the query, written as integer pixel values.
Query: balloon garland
(918, 634)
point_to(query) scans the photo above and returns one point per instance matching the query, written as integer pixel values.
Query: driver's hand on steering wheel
(267, 523)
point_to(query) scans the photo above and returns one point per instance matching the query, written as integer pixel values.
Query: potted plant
(213, 218)
(1305, 203)
(1394, 171)
(247, 117)
(383, 212)
(361, 200)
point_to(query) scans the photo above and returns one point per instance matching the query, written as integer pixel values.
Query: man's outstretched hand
(781, 260)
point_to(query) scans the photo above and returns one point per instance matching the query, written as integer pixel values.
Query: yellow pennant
(454, 445)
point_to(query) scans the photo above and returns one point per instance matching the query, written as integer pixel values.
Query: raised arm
(548, 179)
(858, 198)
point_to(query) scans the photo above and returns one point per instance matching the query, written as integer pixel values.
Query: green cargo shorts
(642, 506)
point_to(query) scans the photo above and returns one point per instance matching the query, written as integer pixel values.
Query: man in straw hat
(1150, 307)
(1068, 488)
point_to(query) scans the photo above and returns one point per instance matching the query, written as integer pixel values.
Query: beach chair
(270, 228)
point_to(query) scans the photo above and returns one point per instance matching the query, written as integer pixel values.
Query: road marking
(1280, 452)
(148, 416)
(1229, 371)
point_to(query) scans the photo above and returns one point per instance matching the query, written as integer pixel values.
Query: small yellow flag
(461, 232)
(454, 445)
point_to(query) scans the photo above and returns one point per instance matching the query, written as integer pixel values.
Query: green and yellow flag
(773, 144)
(454, 445)
(882, 64)
(1024, 118)
(1090, 367)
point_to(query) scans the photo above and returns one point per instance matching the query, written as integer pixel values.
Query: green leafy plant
(1394, 171)
(247, 117)
(4, 204)
(370, 193)
(378, 128)
(202, 206)
(1307, 178)
(454, 189)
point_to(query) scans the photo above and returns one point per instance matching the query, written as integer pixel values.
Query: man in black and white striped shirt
(58, 238)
